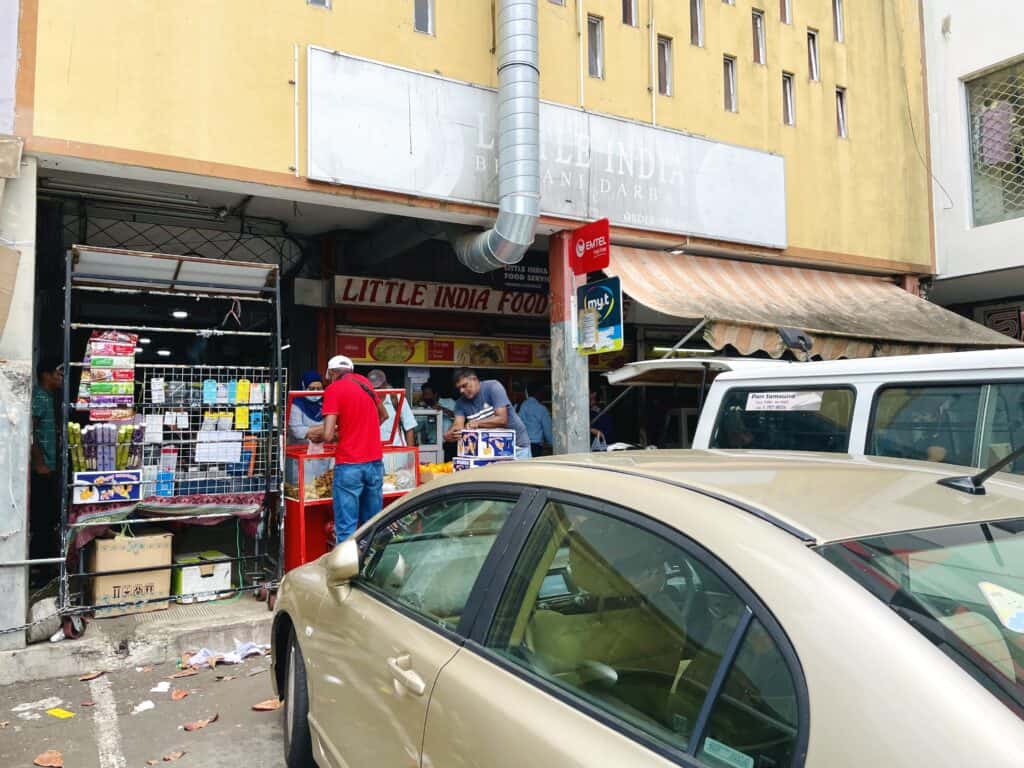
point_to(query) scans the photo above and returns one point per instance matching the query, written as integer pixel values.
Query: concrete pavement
(142, 639)
(108, 735)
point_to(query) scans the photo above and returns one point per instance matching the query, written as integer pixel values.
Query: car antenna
(975, 484)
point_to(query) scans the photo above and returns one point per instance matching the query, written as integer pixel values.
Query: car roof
(819, 498)
(971, 364)
(665, 371)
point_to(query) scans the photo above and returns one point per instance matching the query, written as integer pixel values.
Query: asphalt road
(111, 734)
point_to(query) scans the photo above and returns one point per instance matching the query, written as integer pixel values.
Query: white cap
(340, 363)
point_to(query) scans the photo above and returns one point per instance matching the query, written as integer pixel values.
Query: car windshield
(961, 586)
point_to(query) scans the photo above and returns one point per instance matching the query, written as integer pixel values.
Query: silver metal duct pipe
(518, 144)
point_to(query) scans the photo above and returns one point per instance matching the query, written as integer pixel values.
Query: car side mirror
(343, 563)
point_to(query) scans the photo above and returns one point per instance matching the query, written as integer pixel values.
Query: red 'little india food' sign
(591, 247)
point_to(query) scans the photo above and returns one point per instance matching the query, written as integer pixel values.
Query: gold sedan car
(720, 609)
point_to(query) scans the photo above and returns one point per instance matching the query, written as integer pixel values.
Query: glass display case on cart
(308, 489)
(429, 435)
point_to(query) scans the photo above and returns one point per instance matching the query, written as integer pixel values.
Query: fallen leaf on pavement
(198, 724)
(51, 758)
(213, 661)
(224, 678)
(170, 758)
(258, 671)
(183, 673)
(178, 695)
(152, 762)
(91, 676)
(146, 669)
(267, 706)
(88, 704)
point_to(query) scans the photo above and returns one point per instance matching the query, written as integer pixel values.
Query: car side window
(627, 621)
(794, 419)
(928, 423)
(429, 559)
(754, 720)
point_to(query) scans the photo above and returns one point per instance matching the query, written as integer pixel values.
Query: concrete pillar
(17, 233)
(570, 383)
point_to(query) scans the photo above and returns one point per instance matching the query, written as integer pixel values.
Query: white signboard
(382, 127)
(784, 401)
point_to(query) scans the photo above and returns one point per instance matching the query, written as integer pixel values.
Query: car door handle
(400, 667)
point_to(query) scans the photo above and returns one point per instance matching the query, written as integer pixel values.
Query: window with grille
(813, 60)
(996, 107)
(595, 45)
(786, 11)
(760, 52)
(788, 99)
(629, 13)
(664, 65)
(841, 127)
(729, 83)
(423, 16)
(697, 22)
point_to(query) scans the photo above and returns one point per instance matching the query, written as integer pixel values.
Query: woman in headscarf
(306, 419)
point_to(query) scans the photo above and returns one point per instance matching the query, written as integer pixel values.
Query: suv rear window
(785, 419)
(962, 587)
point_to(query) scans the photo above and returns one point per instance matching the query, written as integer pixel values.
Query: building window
(629, 13)
(595, 45)
(786, 11)
(729, 83)
(841, 127)
(996, 107)
(320, 3)
(760, 52)
(423, 16)
(837, 20)
(664, 65)
(813, 61)
(788, 99)
(697, 22)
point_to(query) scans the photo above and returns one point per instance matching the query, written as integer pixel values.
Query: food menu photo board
(479, 353)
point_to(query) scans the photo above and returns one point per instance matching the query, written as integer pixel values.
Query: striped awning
(745, 303)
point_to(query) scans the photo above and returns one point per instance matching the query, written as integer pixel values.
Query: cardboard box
(487, 443)
(196, 574)
(461, 463)
(148, 548)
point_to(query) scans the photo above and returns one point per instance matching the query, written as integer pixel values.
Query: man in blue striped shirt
(535, 416)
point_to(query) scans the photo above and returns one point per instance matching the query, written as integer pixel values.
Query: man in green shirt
(45, 499)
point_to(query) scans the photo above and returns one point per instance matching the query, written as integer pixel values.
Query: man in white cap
(352, 417)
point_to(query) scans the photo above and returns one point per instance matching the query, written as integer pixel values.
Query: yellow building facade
(216, 88)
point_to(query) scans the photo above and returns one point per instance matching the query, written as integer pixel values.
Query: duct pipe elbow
(518, 145)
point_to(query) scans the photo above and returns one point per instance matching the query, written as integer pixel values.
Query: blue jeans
(526, 452)
(358, 496)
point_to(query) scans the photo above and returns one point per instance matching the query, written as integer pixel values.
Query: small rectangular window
(319, 3)
(786, 11)
(841, 127)
(802, 419)
(760, 51)
(595, 45)
(697, 22)
(729, 83)
(788, 99)
(837, 20)
(813, 62)
(423, 16)
(664, 65)
(630, 16)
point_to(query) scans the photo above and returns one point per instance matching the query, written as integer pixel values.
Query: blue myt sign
(599, 306)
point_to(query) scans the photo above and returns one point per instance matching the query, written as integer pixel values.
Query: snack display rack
(308, 491)
(175, 444)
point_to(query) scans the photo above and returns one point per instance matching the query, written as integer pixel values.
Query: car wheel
(298, 747)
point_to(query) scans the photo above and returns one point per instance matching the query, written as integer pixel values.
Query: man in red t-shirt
(352, 417)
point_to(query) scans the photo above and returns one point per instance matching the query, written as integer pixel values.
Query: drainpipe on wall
(518, 145)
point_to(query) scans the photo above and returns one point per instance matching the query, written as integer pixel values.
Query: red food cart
(308, 481)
